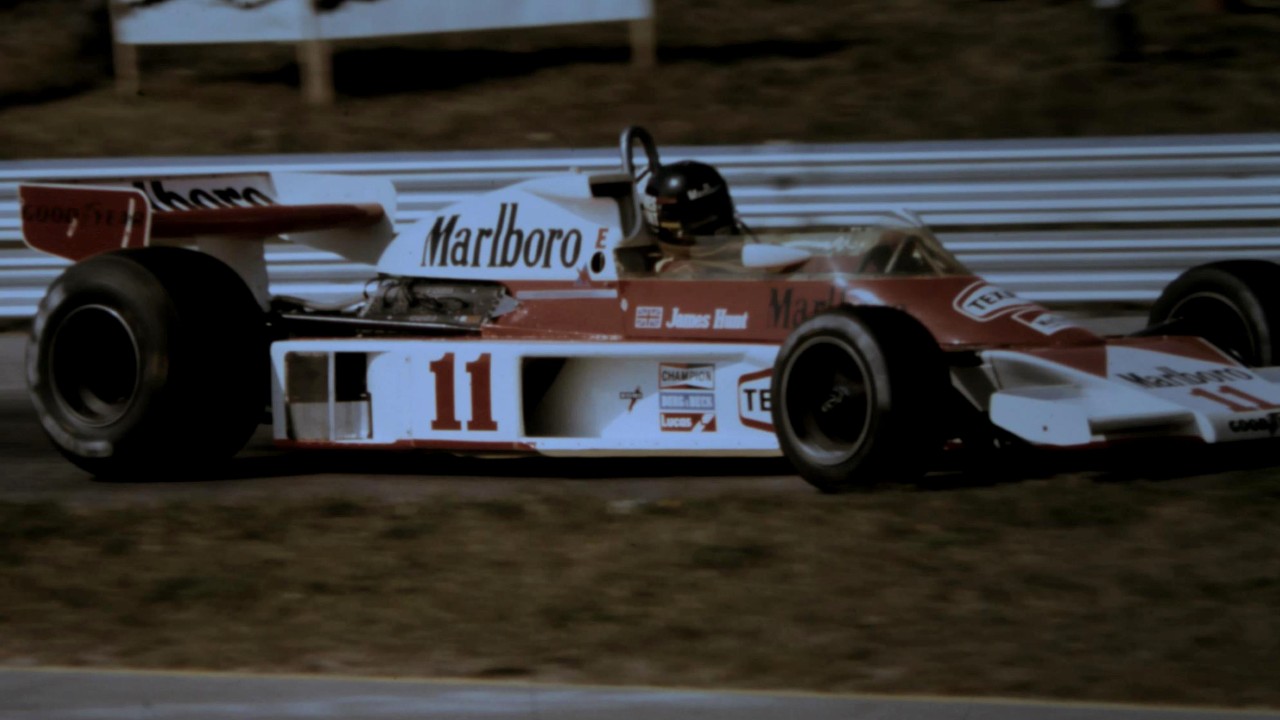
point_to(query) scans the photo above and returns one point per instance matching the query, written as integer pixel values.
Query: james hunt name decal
(503, 245)
(686, 397)
(721, 319)
(656, 318)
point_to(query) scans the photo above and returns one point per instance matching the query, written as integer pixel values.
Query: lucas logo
(688, 422)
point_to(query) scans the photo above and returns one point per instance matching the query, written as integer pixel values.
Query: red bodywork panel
(962, 312)
(76, 222)
(265, 221)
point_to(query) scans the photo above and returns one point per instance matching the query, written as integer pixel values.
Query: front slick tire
(1234, 304)
(148, 363)
(858, 398)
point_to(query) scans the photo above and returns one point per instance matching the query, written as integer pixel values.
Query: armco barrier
(1062, 221)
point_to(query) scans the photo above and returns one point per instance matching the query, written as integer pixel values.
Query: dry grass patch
(1147, 591)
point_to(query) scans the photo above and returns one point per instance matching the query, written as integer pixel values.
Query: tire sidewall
(904, 375)
(1249, 288)
(202, 363)
(149, 315)
(844, 332)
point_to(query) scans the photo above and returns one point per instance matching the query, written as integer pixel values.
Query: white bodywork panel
(1145, 393)
(247, 257)
(542, 229)
(362, 245)
(614, 398)
(207, 192)
(639, 398)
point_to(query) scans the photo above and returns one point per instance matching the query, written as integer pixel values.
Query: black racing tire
(858, 398)
(1234, 304)
(149, 363)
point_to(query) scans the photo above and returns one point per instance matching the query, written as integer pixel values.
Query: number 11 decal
(480, 371)
(1242, 402)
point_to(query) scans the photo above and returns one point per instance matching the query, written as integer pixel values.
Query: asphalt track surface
(30, 470)
(64, 694)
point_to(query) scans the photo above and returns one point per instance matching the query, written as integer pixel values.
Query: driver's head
(688, 199)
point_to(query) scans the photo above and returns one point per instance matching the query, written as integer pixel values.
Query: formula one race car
(616, 314)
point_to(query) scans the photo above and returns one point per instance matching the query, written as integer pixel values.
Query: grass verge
(1140, 591)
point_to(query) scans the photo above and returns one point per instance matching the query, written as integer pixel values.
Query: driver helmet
(687, 200)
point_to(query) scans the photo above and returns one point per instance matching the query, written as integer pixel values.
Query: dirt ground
(730, 71)
(1101, 588)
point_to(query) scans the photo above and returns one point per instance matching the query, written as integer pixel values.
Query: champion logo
(682, 376)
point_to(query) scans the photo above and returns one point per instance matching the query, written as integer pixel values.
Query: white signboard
(181, 22)
(160, 22)
(367, 18)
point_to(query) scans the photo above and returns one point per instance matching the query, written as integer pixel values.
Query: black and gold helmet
(686, 200)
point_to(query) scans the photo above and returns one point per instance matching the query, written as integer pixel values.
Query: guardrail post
(1120, 33)
(315, 65)
(644, 53)
(124, 62)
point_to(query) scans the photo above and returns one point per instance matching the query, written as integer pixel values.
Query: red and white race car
(583, 315)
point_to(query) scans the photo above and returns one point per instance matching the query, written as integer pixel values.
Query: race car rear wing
(349, 216)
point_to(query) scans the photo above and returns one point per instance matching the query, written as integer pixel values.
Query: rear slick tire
(858, 398)
(149, 363)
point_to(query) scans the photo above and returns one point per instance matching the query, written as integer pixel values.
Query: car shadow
(436, 464)
(1155, 461)
(262, 461)
(1151, 461)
